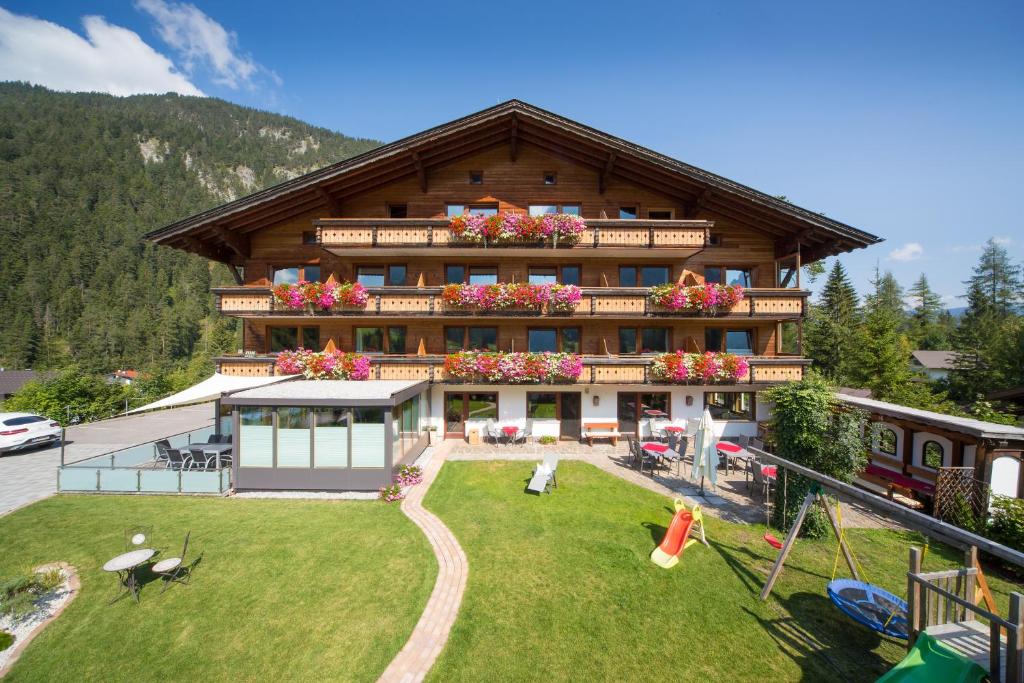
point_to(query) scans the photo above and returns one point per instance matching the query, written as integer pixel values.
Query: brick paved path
(428, 638)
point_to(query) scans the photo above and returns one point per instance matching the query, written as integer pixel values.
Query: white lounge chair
(544, 475)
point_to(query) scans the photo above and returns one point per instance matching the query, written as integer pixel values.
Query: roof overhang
(965, 425)
(221, 233)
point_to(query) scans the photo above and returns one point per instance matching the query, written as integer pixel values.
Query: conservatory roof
(329, 392)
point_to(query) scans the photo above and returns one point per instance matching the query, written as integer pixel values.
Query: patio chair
(743, 441)
(173, 569)
(208, 459)
(551, 460)
(525, 433)
(220, 438)
(647, 457)
(177, 458)
(676, 449)
(158, 448)
(761, 482)
(634, 456)
(491, 430)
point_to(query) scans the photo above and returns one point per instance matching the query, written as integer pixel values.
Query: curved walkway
(431, 632)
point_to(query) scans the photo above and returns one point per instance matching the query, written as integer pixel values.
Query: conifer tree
(832, 324)
(925, 330)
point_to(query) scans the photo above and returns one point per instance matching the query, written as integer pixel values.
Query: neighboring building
(383, 218)
(935, 365)
(909, 445)
(12, 380)
(1013, 398)
(122, 377)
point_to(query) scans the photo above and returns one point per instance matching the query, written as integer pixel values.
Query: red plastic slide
(667, 554)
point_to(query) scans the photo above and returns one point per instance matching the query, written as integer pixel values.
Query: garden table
(510, 433)
(124, 565)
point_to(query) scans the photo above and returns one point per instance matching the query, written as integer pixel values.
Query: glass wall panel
(330, 437)
(256, 434)
(293, 437)
(368, 437)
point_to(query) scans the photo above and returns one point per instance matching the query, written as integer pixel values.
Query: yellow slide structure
(677, 538)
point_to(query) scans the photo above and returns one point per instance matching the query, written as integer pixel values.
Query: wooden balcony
(597, 302)
(632, 238)
(764, 370)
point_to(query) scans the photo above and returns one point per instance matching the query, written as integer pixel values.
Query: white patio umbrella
(705, 455)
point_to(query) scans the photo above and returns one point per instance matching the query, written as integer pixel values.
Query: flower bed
(512, 368)
(517, 228)
(557, 298)
(706, 298)
(699, 368)
(322, 295)
(323, 364)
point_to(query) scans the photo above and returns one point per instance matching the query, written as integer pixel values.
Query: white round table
(124, 565)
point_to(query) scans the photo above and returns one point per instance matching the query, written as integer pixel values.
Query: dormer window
(476, 177)
(550, 178)
(627, 212)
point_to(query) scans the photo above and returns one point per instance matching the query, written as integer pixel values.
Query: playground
(570, 584)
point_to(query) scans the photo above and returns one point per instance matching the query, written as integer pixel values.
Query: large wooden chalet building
(385, 219)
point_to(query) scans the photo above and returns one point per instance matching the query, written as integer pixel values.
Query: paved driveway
(28, 476)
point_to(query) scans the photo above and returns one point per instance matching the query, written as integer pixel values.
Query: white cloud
(109, 58)
(200, 39)
(911, 251)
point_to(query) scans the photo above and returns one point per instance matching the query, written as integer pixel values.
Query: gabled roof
(216, 233)
(12, 380)
(935, 360)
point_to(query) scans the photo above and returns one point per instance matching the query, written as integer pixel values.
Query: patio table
(124, 566)
(510, 433)
(199, 450)
(730, 451)
(663, 452)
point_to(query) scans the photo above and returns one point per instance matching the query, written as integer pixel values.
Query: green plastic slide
(929, 661)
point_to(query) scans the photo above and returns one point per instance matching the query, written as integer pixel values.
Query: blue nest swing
(870, 605)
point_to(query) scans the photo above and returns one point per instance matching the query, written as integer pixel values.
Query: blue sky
(901, 118)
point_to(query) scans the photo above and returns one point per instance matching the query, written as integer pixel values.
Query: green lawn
(561, 588)
(286, 590)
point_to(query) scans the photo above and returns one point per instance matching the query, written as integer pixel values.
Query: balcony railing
(597, 302)
(764, 370)
(599, 234)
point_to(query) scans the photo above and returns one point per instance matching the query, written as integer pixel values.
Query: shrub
(547, 440)
(6, 640)
(812, 429)
(1006, 525)
(18, 594)
(409, 475)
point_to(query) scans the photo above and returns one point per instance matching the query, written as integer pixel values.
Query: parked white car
(24, 430)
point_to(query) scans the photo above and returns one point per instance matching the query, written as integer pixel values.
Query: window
(289, 338)
(474, 275)
(372, 339)
(26, 420)
(544, 209)
(550, 178)
(291, 274)
(933, 454)
(660, 214)
(627, 212)
(786, 272)
(632, 408)
(730, 405)
(727, 276)
(367, 437)
(565, 339)
(378, 276)
(643, 340)
(542, 406)
(369, 339)
(886, 440)
(731, 341)
(475, 209)
(256, 437)
(293, 437)
(309, 237)
(566, 275)
(459, 407)
(398, 211)
(470, 338)
(644, 276)
(330, 437)
(476, 177)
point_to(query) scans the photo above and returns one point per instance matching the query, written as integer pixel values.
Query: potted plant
(431, 431)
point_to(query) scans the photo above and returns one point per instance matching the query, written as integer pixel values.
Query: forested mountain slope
(83, 176)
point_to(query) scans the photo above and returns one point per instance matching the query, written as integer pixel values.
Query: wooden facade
(390, 207)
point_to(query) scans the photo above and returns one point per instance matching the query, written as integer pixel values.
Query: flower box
(323, 364)
(512, 368)
(323, 296)
(511, 298)
(516, 229)
(699, 368)
(707, 298)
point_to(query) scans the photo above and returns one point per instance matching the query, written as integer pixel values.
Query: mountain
(83, 176)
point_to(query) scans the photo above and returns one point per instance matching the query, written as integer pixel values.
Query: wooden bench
(601, 430)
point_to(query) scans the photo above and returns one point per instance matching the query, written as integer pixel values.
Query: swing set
(862, 601)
